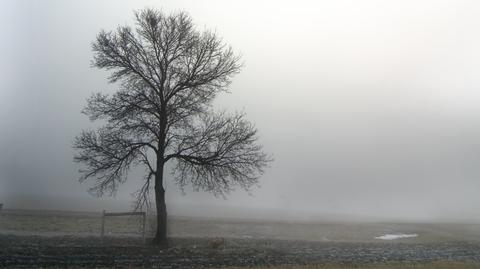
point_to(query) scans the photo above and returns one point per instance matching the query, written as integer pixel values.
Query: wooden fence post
(103, 225)
(144, 221)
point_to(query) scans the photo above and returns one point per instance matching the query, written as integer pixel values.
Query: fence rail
(123, 214)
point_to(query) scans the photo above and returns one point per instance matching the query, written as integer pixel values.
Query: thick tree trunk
(161, 235)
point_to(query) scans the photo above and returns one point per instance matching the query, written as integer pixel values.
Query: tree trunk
(161, 235)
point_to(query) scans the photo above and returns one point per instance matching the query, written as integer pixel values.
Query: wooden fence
(118, 214)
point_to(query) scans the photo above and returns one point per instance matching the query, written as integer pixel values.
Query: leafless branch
(168, 74)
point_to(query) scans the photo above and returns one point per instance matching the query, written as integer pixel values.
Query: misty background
(371, 109)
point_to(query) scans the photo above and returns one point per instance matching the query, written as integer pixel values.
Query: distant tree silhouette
(168, 74)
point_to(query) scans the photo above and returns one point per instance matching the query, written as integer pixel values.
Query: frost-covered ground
(128, 252)
(88, 224)
(65, 239)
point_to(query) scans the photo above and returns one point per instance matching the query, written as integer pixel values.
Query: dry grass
(431, 265)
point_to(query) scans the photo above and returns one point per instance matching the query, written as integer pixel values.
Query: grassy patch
(430, 265)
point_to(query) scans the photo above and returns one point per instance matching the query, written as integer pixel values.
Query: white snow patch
(395, 236)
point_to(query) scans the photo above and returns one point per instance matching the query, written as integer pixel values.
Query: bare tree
(168, 74)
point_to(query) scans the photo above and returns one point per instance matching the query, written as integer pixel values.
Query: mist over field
(240, 134)
(369, 108)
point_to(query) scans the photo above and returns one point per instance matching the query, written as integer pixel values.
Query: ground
(60, 239)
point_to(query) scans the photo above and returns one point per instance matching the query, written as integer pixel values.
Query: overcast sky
(370, 108)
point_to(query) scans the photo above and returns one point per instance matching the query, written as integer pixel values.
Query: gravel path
(66, 251)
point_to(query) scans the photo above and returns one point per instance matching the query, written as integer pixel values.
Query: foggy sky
(370, 108)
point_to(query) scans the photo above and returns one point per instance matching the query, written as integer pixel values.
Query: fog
(371, 109)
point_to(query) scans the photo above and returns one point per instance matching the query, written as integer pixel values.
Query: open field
(58, 223)
(128, 252)
(429, 265)
(66, 239)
